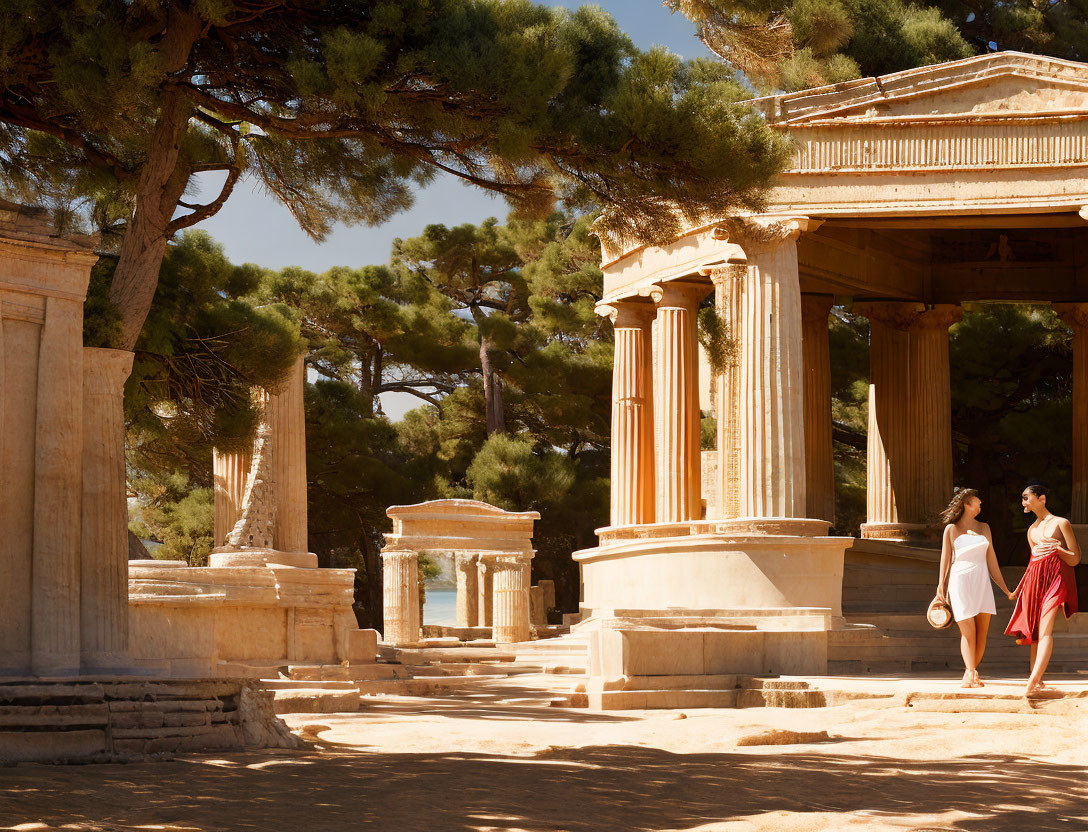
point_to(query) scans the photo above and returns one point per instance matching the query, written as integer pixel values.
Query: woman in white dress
(968, 561)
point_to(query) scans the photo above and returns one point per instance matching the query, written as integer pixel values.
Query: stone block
(51, 746)
(648, 653)
(185, 720)
(145, 718)
(726, 651)
(362, 646)
(56, 715)
(548, 589)
(538, 613)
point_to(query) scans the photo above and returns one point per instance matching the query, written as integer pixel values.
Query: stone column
(54, 631)
(485, 567)
(929, 441)
(772, 424)
(887, 470)
(287, 418)
(229, 472)
(104, 537)
(632, 415)
(468, 590)
(400, 597)
(1076, 316)
(729, 300)
(676, 403)
(511, 617)
(819, 464)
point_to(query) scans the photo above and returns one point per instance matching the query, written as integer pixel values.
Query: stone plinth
(468, 592)
(400, 596)
(43, 280)
(104, 539)
(244, 620)
(510, 619)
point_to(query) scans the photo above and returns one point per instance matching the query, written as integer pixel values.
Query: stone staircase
(887, 588)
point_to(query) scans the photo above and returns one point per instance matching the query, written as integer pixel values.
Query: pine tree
(114, 110)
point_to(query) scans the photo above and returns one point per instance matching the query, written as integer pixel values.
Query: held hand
(941, 594)
(1014, 594)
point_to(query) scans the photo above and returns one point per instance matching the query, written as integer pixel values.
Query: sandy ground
(481, 763)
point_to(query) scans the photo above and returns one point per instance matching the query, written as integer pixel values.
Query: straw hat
(939, 614)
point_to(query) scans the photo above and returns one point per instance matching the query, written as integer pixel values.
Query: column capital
(399, 554)
(678, 293)
(727, 271)
(815, 306)
(1074, 314)
(938, 317)
(757, 234)
(626, 313)
(896, 314)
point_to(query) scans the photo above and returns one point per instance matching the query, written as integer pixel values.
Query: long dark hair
(955, 508)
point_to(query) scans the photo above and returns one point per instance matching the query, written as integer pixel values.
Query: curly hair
(955, 508)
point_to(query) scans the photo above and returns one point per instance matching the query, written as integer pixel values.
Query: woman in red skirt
(1048, 584)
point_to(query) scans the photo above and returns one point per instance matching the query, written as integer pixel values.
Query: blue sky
(255, 229)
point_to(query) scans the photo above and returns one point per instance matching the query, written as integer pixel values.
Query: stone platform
(117, 720)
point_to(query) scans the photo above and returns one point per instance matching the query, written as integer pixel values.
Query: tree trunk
(160, 187)
(493, 409)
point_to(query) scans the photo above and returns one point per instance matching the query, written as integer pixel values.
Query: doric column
(819, 464)
(229, 472)
(1076, 316)
(511, 616)
(929, 441)
(104, 537)
(468, 592)
(58, 484)
(400, 597)
(485, 567)
(729, 302)
(676, 403)
(287, 418)
(632, 415)
(771, 425)
(888, 469)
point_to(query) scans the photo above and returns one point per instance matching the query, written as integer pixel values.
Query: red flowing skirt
(1048, 582)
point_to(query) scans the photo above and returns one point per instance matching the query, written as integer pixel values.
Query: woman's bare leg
(1046, 647)
(967, 650)
(982, 630)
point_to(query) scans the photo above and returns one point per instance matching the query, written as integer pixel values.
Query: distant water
(440, 607)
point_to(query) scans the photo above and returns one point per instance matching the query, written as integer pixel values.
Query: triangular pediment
(1001, 84)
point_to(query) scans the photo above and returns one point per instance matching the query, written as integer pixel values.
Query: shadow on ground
(595, 789)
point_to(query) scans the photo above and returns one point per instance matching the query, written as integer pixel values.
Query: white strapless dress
(969, 589)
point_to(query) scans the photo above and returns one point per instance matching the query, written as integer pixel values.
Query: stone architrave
(510, 621)
(1076, 316)
(729, 302)
(400, 597)
(468, 600)
(632, 415)
(104, 539)
(43, 282)
(772, 425)
(676, 402)
(929, 442)
(819, 463)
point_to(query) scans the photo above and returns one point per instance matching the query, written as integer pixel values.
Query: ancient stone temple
(908, 195)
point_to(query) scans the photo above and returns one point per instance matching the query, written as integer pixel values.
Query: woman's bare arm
(946, 560)
(1071, 553)
(991, 562)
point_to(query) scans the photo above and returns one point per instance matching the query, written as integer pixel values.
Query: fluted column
(676, 403)
(929, 439)
(485, 580)
(104, 536)
(1076, 316)
(632, 415)
(887, 470)
(468, 591)
(229, 472)
(771, 425)
(287, 418)
(819, 461)
(54, 627)
(400, 597)
(729, 302)
(511, 594)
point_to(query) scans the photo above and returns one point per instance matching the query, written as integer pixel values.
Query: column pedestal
(400, 597)
(511, 599)
(104, 539)
(468, 590)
